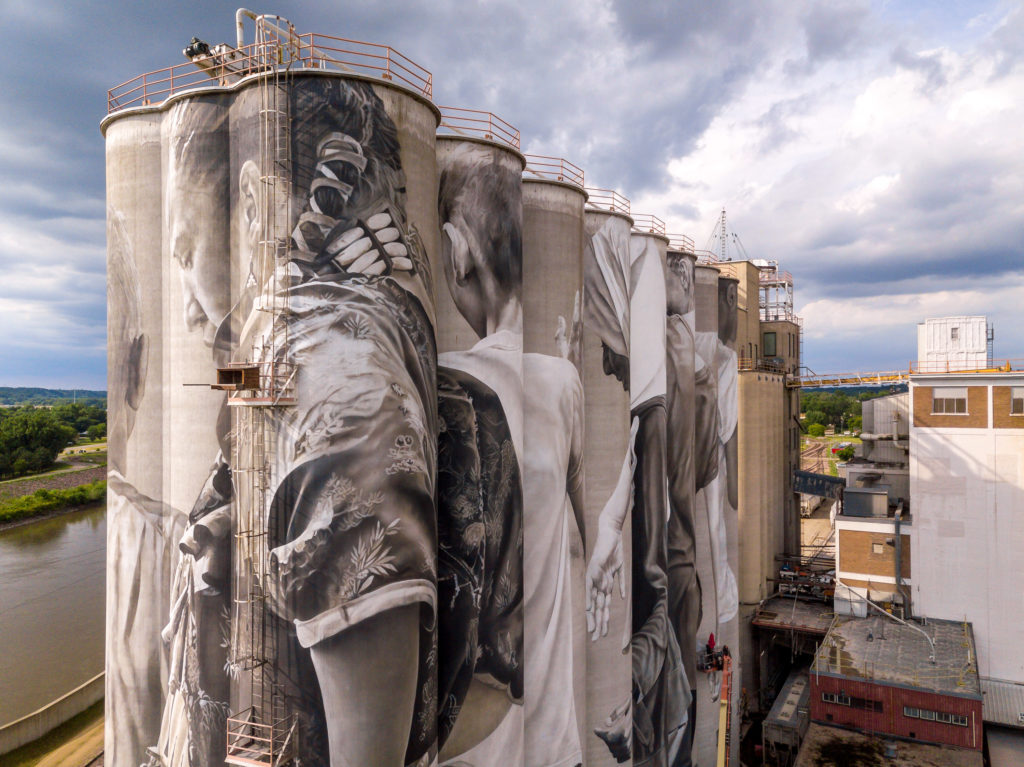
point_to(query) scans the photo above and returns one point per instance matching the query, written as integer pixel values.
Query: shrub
(42, 501)
(816, 430)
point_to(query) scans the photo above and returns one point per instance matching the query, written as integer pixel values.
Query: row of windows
(934, 716)
(866, 704)
(953, 400)
(842, 699)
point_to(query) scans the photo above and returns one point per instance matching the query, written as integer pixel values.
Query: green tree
(816, 416)
(97, 431)
(816, 430)
(30, 439)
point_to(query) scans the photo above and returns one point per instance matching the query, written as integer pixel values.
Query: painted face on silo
(679, 285)
(481, 237)
(196, 198)
(727, 297)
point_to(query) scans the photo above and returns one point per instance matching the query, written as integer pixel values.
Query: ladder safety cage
(263, 733)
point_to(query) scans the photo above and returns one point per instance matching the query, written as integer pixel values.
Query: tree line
(32, 437)
(839, 409)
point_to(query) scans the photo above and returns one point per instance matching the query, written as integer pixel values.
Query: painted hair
(488, 196)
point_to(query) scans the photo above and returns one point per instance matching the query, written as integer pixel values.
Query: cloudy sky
(875, 149)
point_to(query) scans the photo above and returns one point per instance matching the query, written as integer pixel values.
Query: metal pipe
(240, 15)
(898, 518)
(931, 642)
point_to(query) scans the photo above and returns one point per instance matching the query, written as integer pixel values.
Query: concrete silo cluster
(421, 452)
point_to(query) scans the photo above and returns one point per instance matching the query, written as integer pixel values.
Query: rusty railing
(478, 124)
(646, 223)
(554, 169)
(681, 243)
(606, 199)
(225, 65)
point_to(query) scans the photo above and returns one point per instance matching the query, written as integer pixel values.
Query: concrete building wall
(762, 499)
(967, 490)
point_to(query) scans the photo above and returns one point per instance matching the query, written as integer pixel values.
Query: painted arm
(607, 559)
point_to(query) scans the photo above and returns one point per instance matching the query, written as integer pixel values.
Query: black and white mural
(554, 520)
(439, 509)
(683, 582)
(481, 449)
(609, 487)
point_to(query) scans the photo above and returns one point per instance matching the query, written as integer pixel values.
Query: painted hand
(605, 565)
(567, 337)
(372, 248)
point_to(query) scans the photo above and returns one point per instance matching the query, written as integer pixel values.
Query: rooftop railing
(475, 123)
(648, 224)
(606, 199)
(681, 243)
(311, 51)
(554, 169)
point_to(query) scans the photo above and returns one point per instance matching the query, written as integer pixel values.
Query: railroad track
(815, 457)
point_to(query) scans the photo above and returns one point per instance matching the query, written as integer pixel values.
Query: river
(52, 591)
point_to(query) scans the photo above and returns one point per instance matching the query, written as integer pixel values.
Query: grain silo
(681, 539)
(481, 476)
(657, 661)
(554, 496)
(607, 458)
(283, 249)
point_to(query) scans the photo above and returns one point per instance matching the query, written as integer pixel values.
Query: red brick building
(882, 677)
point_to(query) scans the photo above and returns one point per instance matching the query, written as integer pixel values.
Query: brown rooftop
(791, 614)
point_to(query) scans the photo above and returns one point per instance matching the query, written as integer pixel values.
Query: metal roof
(1003, 702)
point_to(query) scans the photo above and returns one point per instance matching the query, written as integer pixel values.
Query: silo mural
(553, 483)
(684, 584)
(661, 691)
(142, 530)
(411, 463)
(608, 456)
(481, 476)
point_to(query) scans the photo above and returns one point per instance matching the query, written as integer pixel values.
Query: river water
(52, 592)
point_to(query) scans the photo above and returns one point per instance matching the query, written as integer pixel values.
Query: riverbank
(44, 502)
(77, 742)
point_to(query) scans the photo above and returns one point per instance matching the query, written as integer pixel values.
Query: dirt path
(59, 480)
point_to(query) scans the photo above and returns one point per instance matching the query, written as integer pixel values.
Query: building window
(840, 699)
(1017, 400)
(877, 548)
(769, 344)
(949, 400)
(954, 334)
(910, 712)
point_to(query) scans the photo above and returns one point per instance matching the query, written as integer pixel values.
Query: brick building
(880, 676)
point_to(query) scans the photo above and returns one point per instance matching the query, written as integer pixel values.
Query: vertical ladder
(264, 733)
